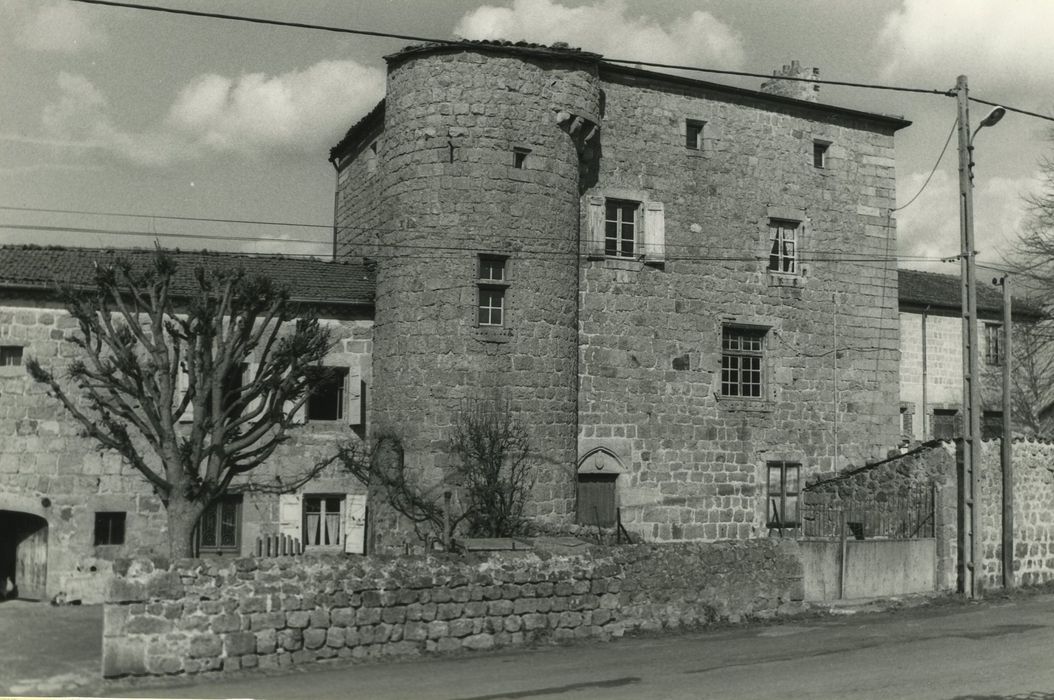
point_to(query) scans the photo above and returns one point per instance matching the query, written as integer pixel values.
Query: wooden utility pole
(1007, 451)
(970, 533)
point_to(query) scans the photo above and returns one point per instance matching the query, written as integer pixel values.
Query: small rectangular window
(742, 356)
(819, 154)
(907, 421)
(993, 343)
(519, 157)
(220, 526)
(991, 425)
(946, 424)
(491, 306)
(491, 286)
(323, 521)
(10, 355)
(783, 251)
(326, 402)
(783, 492)
(109, 528)
(693, 134)
(621, 222)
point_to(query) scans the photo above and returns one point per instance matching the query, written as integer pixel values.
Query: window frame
(993, 343)
(756, 355)
(341, 375)
(108, 519)
(7, 352)
(777, 243)
(226, 503)
(519, 157)
(779, 510)
(940, 416)
(617, 242)
(322, 498)
(693, 134)
(820, 153)
(491, 288)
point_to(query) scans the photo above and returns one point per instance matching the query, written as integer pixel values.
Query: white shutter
(355, 524)
(182, 387)
(595, 234)
(654, 232)
(290, 515)
(248, 375)
(354, 393)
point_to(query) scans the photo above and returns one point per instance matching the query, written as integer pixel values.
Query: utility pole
(970, 506)
(1007, 452)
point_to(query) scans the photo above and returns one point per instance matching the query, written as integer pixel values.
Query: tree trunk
(182, 517)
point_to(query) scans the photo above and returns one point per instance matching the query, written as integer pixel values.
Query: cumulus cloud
(999, 45)
(56, 26)
(608, 27)
(929, 228)
(251, 115)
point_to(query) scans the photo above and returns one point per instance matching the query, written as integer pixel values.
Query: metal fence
(909, 515)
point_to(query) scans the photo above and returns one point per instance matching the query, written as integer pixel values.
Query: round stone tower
(477, 267)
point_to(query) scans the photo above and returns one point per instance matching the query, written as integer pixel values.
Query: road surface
(992, 650)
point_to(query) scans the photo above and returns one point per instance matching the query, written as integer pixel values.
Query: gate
(24, 554)
(882, 545)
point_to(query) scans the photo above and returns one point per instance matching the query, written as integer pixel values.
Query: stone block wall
(693, 462)
(47, 469)
(196, 616)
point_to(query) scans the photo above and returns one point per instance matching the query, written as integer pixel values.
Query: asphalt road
(992, 650)
(49, 650)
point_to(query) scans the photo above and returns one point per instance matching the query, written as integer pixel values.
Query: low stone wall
(196, 616)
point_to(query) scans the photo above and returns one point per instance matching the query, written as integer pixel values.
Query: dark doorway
(23, 555)
(596, 499)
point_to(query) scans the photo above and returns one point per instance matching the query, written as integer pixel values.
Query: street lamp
(970, 544)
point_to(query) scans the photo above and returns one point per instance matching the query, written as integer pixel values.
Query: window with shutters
(323, 524)
(328, 398)
(220, 527)
(993, 343)
(742, 361)
(626, 229)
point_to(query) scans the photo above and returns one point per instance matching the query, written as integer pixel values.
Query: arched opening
(23, 555)
(596, 496)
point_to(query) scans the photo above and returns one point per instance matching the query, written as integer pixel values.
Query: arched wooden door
(25, 550)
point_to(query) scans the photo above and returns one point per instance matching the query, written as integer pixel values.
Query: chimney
(798, 89)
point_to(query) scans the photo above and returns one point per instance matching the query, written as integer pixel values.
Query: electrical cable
(934, 170)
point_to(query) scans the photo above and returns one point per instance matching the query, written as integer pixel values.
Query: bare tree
(489, 481)
(162, 378)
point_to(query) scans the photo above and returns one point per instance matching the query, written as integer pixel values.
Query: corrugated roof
(314, 281)
(939, 291)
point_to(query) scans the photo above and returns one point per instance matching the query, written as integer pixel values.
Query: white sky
(116, 110)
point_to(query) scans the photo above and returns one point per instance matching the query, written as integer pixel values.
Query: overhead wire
(929, 177)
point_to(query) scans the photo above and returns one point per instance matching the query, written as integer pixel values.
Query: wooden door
(31, 559)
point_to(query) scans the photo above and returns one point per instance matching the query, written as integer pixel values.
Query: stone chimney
(798, 89)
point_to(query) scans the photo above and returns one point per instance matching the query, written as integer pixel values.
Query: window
(519, 157)
(693, 134)
(326, 402)
(232, 385)
(819, 154)
(492, 284)
(323, 518)
(945, 424)
(109, 528)
(220, 526)
(783, 253)
(596, 499)
(783, 495)
(907, 421)
(993, 343)
(10, 355)
(991, 425)
(371, 158)
(620, 228)
(742, 352)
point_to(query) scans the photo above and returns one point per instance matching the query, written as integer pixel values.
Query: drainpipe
(925, 373)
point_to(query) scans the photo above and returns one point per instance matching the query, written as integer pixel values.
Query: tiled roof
(559, 48)
(314, 281)
(939, 291)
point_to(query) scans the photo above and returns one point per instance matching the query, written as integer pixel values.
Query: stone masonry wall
(651, 335)
(47, 469)
(197, 616)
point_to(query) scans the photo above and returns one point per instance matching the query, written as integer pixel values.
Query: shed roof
(918, 289)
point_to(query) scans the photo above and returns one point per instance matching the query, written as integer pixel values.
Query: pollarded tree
(162, 378)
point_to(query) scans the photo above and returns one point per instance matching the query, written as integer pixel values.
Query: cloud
(1002, 46)
(58, 26)
(252, 115)
(929, 227)
(607, 27)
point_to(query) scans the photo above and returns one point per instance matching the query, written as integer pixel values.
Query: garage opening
(23, 556)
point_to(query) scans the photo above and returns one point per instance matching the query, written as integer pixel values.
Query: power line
(165, 217)
(1037, 115)
(934, 170)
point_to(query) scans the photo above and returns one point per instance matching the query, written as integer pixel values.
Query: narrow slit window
(693, 139)
(819, 154)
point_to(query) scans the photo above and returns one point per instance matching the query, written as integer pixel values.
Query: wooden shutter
(654, 232)
(355, 524)
(290, 515)
(354, 398)
(595, 222)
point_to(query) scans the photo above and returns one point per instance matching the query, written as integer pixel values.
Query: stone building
(685, 289)
(931, 347)
(68, 508)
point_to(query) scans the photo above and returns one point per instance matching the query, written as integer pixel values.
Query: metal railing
(908, 515)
